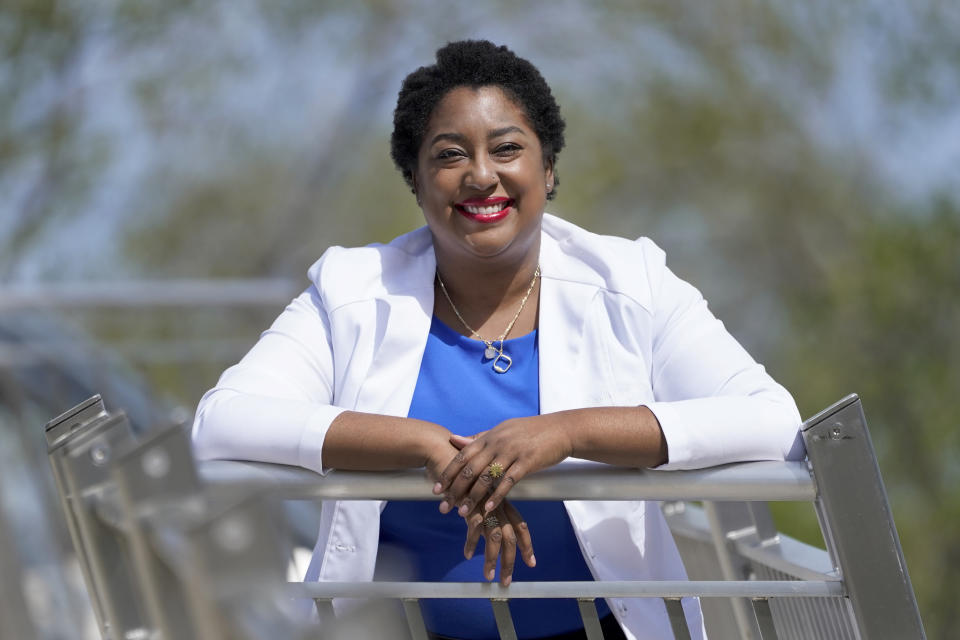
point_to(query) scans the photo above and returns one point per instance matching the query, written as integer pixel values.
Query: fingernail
(533, 560)
(437, 488)
(489, 506)
(468, 555)
(490, 574)
(444, 507)
(507, 581)
(464, 510)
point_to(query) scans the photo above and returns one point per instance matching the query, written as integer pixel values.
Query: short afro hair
(473, 63)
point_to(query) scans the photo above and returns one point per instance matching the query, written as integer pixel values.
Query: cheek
(535, 186)
(435, 188)
(528, 180)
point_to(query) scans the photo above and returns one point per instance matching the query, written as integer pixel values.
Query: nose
(482, 174)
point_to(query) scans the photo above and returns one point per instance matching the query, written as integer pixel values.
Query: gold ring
(491, 522)
(496, 470)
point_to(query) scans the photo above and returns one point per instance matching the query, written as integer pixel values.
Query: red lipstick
(485, 210)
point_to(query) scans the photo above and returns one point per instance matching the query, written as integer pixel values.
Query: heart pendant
(502, 368)
(489, 353)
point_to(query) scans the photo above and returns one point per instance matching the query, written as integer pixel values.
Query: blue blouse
(458, 388)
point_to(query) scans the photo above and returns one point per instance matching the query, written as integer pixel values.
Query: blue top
(458, 388)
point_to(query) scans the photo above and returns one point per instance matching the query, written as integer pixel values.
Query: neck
(491, 302)
(486, 284)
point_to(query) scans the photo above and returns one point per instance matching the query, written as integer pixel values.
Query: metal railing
(173, 550)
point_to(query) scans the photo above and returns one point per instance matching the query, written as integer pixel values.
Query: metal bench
(179, 551)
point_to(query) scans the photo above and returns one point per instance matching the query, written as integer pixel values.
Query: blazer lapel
(563, 309)
(402, 324)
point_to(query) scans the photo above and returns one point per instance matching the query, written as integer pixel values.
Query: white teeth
(483, 211)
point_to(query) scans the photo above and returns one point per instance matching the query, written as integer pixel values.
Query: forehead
(476, 108)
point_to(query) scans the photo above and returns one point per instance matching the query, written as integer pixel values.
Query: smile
(486, 209)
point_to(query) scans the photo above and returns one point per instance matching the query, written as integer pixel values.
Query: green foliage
(39, 42)
(881, 321)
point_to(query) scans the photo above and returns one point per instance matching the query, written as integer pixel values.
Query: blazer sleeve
(276, 404)
(715, 404)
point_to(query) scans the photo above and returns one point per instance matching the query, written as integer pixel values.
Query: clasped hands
(513, 449)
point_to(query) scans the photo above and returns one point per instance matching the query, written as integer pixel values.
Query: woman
(496, 341)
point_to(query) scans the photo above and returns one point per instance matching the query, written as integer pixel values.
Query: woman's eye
(507, 149)
(449, 154)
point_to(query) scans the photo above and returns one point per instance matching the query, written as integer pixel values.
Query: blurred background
(169, 170)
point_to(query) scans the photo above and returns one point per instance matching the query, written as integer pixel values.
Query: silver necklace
(501, 361)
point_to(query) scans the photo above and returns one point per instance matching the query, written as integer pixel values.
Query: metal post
(84, 456)
(678, 621)
(591, 620)
(761, 607)
(858, 523)
(728, 519)
(418, 628)
(69, 424)
(325, 611)
(232, 564)
(154, 479)
(501, 613)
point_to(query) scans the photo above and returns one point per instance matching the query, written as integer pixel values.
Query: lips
(485, 209)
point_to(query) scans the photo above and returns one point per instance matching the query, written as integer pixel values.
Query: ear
(548, 174)
(416, 189)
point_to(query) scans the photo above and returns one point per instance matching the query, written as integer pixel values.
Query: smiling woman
(496, 341)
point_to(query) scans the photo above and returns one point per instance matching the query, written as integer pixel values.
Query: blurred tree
(53, 156)
(42, 48)
(263, 210)
(881, 321)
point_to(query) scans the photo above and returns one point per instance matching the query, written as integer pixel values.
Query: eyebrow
(495, 133)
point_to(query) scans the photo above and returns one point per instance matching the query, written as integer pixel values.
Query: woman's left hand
(505, 532)
(492, 462)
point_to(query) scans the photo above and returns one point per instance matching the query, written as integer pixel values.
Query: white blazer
(616, 328)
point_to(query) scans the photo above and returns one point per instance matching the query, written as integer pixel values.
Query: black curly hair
(473, 63)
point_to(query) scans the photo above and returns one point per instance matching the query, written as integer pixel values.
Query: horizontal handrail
(574, 480)
(192, 293)
(573, 589)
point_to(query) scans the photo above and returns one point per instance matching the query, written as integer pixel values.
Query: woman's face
(481, 179)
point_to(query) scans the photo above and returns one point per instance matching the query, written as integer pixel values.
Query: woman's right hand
(505, 531)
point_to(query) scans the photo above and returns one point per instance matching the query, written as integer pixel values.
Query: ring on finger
(496, 470)
(491, 522)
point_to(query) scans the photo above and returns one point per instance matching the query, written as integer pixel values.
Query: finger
(522, 531)
(461, 441)
(452, 471)
(511, 476)
(461, 487)
(508, 554)
(494, 536)
(445, 504)
(474, 529)
(482, 488)
(443, 482)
